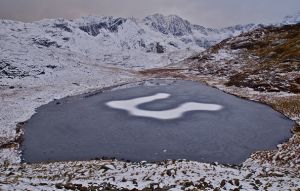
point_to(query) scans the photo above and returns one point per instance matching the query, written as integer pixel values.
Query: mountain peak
(93, 25)
(171, 24)
(292, 19)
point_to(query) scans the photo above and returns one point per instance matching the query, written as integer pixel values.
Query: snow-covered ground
(20, 97)
(51, 59)
(167, 175)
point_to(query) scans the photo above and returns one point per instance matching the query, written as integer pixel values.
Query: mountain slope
(266, 59)
(33, 49)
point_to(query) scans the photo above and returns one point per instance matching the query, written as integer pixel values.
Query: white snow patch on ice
(131, 106)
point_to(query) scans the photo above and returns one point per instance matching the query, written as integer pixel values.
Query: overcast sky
(212, 13)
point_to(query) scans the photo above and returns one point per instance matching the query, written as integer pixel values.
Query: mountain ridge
(111, 41)
(154, 41)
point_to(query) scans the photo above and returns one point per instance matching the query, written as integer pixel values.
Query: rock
(222, 184)
(83, 188)
(248, 176)
(63, 26)
(236, 182)
(107, 167)
(3, 64)
(45, 42)
(156, 48)
(134, 181)
(59, 186)
(10, 174)
(66, 38)
(109, 23)
(169, 172)
(70, 186)
(258, 182)
(51, 66)
(159, 49)
(188, 184)
(154, 186)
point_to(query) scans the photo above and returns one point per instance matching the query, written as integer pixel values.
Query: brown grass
(164, 73)
(287, 50)
(288, 105)
(278, 66)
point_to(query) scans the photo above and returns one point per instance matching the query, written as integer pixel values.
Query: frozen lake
(154, 121)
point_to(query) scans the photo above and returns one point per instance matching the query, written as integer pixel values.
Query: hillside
(267, 60)
(261, 65)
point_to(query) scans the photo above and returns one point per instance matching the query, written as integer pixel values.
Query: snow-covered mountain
(292, 19)
(35, 48)
(173, 25)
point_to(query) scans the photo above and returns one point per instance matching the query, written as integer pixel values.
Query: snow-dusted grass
(81, 63)
(168, 175)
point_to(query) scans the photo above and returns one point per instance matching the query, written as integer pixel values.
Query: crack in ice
(131, 106)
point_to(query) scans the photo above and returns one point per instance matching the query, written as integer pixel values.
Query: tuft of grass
(296, 129)
(289, 105)
(163, 73)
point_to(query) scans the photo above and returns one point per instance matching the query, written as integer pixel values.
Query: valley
(52, 59)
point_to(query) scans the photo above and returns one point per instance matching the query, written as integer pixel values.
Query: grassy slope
(278, 65)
